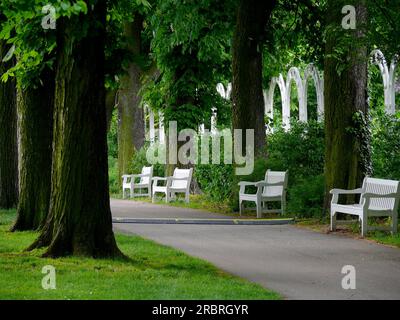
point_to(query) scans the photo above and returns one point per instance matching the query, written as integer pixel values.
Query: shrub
(307, 196)
(386, 146)
(139, 160)
(113, 175)
(216, 181)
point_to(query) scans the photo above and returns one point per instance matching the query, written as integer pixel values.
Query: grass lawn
(153, 272)
(352, 231)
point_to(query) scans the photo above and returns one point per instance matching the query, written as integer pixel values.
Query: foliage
(299, 150)
(306, 196)
(34, 45)
(139, 160)
(191, 45)
(112, 135)
(215, 180)
(386, 146)
(113, 176)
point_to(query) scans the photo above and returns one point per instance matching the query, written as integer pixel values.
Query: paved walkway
(298, 263)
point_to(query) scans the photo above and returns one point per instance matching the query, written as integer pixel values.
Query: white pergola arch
(388, 73)
(312, 71)
(269, 99)
(302, 88)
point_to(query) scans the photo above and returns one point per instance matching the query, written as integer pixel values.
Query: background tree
(191, 46)
(247, 90)
(35, 98)
(346, 162)
(129, 17)
(8, 136)
(79, 220)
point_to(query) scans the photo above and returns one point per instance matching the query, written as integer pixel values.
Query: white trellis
(388, 73)
(302, 88)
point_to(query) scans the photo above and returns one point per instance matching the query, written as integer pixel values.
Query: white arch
(285, 89)
(269, 100)
(389, 78)
(224, 93)
(294, 75)
(312, 71)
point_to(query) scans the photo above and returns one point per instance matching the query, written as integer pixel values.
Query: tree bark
(345, 94)
(247, 91)
(35, 133)
(110, 105)
(131, 135)
(8, 138)
(79, 221)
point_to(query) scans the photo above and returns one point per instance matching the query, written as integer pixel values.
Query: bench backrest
(275, 177)
(149, 172)
(381, 186)
(182, 173)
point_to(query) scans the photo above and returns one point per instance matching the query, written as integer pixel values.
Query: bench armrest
(246, 183)
(342, 191)
(377, 195)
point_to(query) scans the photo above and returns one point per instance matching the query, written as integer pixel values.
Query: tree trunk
(247, 91)
(131, 135)
(35, 133)
(110, 105)
(345, 94)
(79, 221)
(8, 138)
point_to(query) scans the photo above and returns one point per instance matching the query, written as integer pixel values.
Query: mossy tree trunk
(79, 221)
(345, 94)
(131, 135)
(35, 133)
(110, 105)
(8, 138)
(247, 91)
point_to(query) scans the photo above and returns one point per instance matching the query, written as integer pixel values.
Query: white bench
(129, 182)
(178, 183)
(272, 189)
(379, 198)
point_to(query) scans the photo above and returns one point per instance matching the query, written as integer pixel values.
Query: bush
(216, 181)
(386, 146)
(299, 150)
(113, 175)
(307, 196)
(139, 160)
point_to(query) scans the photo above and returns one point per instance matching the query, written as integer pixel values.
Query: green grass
(153, 272)
(353, 230)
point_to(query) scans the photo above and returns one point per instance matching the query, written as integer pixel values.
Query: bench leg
(283, 206)
(240, 207)
(187, 197)
(394, 223)
(333, 221)
(364, 226)
(259, 209)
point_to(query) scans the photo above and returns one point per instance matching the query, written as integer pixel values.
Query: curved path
(298, 263)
